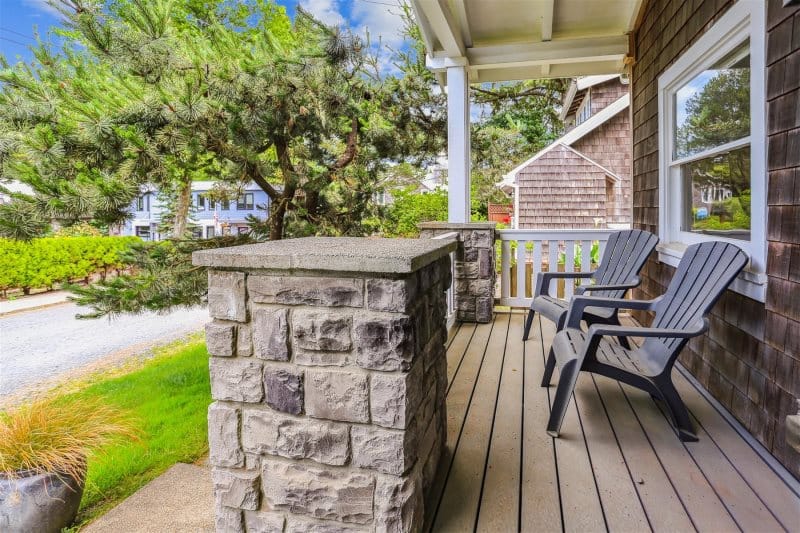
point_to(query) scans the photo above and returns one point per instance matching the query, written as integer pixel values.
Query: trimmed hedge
(41, 263)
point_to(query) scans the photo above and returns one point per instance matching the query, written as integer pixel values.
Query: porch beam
(463, 22)
(444, 27)
(547, 20)
(557, 70)
(560, 51)
(458, 148)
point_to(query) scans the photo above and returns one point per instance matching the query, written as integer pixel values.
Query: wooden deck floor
(617, 466)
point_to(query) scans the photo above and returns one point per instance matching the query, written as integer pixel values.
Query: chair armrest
(579, 303)
(695, 329)
(543, 280)
(621, 286)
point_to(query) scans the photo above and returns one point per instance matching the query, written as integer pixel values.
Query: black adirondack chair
(704, 272)
(625, 254)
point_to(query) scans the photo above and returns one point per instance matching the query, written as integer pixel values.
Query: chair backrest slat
(703, 274)
(625, 254)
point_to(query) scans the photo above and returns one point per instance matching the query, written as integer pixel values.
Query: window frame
(201, 202)
(244, 202)
(744, 20)
(586, 104)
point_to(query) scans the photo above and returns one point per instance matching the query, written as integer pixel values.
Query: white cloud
(380, 20)
(42, 5)
(326, 11)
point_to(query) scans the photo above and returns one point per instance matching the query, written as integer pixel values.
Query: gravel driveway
(40, 345)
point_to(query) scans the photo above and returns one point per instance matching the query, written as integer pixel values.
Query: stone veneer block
(271, 334)
(221, 339)
(264, 522)
(329, 372)
(337, 395)
(327, 494)
(384, 343)
(237, 489)
(394, 397)
(223, 436)
(267, 432)
(226, 295)
(318, 330)
(321, 291)
(391, 295)
(283, 389)
(236, 380)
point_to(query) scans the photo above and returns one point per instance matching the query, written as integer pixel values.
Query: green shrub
(42, 263)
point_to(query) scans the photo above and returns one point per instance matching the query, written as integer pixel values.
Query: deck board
(617, 466)
(499, 510)
(540, 509)
(623, 509)
(462, 490)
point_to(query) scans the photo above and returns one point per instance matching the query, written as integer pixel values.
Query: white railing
(543, 250)
(451, 297)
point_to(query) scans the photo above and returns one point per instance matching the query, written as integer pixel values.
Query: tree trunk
(277, 212)
(181, 221)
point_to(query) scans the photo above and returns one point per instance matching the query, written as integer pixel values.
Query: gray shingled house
(582, 179)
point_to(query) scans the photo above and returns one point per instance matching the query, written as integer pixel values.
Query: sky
(20, 19)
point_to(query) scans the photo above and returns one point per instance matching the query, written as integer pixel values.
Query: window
(245, 202)
(201, 202)
(143, 202)
(585, 111)
(225, 205)
(712, 173)
(210, 232)
(143, 232)
(197, 232)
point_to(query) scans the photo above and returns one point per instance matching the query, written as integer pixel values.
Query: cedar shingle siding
(750, 358)
(561, 189)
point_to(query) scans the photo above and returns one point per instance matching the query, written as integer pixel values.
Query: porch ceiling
(501, 40)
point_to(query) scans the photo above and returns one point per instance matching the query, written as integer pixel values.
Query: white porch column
(458, 149)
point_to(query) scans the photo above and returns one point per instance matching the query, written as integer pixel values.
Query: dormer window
(585, 111)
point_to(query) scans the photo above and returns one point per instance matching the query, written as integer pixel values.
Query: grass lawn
(169, 397)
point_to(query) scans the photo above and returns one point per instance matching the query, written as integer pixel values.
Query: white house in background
(435, 179)
(208, 218)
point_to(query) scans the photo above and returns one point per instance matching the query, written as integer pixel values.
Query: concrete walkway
(35, 301)
(179, 500)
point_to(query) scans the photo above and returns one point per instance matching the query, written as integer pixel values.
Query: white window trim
(744, 19)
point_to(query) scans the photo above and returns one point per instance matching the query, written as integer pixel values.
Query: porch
(618, 465)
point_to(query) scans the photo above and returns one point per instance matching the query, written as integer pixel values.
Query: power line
(17, 33)
(13, 41)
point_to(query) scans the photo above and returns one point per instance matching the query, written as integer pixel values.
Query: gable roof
(594, 122)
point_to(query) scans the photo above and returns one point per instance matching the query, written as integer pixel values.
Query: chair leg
(677, 409)
(566, 384)
(528, 323)
(549, 366)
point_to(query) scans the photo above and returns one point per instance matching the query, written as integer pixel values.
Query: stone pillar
(328, 374)
(475, 267)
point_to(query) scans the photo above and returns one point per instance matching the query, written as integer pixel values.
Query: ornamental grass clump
(56, 435)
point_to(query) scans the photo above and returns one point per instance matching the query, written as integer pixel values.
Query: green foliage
(83, 229)
(44, 262)
(168, 397)
(161, 278)
(726, 215)
(409, 209)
